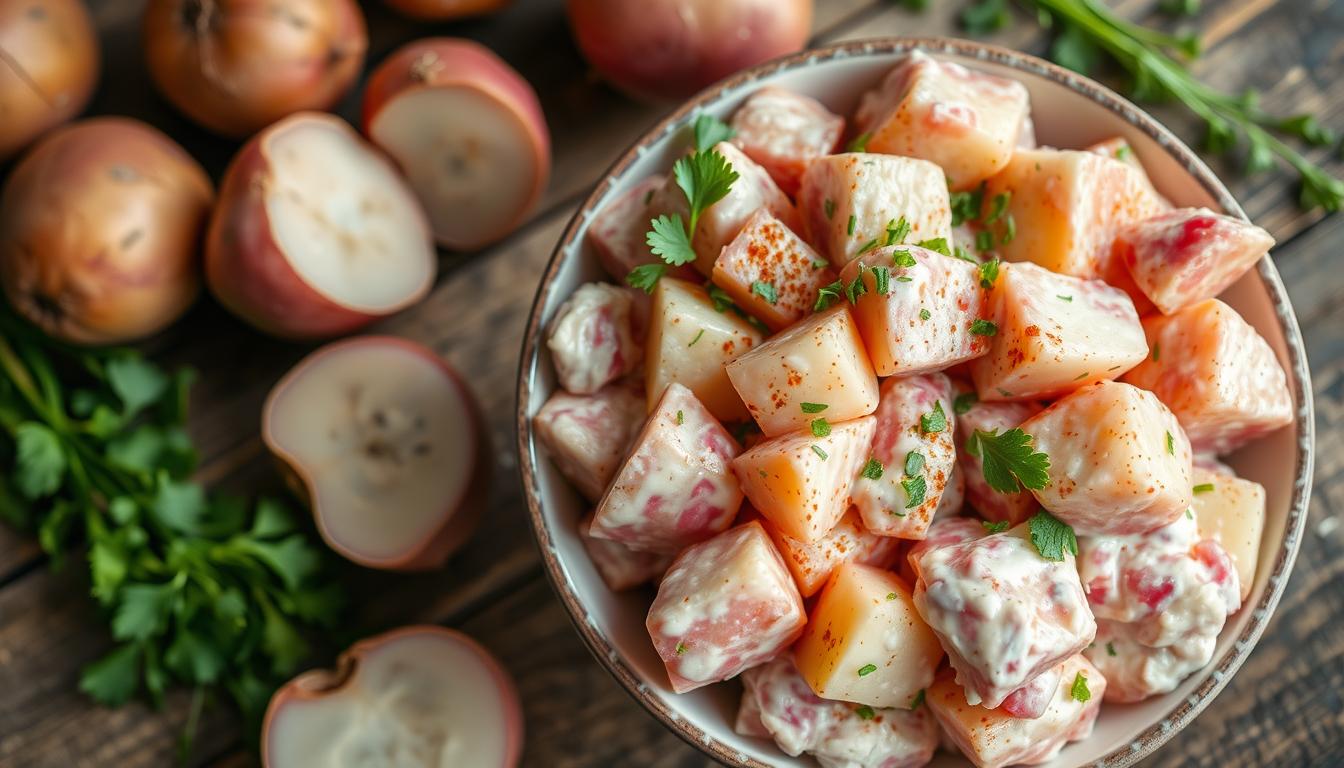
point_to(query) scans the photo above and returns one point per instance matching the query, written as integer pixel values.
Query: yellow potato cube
(1231, 511)
(864, 641)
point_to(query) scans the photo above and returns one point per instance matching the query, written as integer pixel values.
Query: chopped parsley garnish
(820, 428)
(813, 407)
(872, 470)
(722, 301)
(984, 241)
(1051, 537)
(1079, 688)
(998, 527)
(868, 246)
(914, 463)
(918, 701)
(705, 177)
(924, 314)
(881, 280)
(904, 279)
(1189, 513)
(1171, 444)
(829, 205)
(964, 402)
(915, 489)
(934, 421)
(966, 205)
(859, 143)
(981, 327)
(828, 295)
(897, 231)
(867, 669)
(697, 337)
(892, 595)
(819, 264)
(849, 228)
(1155, 349)
(902, 258)
(1061, 297)
(710, 130)
(857, 287)
(961, 253)
(865, 712)
(681, 648)
(989, 272)
(681, 418)
(997, 206)
(645, 276)
(1009, 229)
(765, 291)
(938, 244)
(1110, 649)
(1008, 461)
(1123, 151)
(1081, 376)
(817, 450)
(1204, 488)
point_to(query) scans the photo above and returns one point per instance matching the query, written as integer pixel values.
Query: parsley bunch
(1089, 32)
(199, 591)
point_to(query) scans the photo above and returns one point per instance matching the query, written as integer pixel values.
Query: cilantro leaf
(142, 611)
(646, 276)
(194, 657)
(1051, 537)
(113, 679)
(1008, 461)
(668, 240)
(137, 383)
(292, 558)
(706, 178)
(709, 131)
(40, 464)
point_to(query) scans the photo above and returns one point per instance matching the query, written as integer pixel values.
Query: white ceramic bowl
(1069, 111)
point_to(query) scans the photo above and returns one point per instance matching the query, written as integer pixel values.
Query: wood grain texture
(1284, 708)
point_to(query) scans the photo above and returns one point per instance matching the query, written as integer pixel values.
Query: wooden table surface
(1284, 708)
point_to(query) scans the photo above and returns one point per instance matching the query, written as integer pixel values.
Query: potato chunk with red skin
(820, 360)
(1004, 614)
(833, 732)
(886, 503)
(923, 321)
(1217, 374)
(865, 642)
(689, 341)
(619, 232)
(770, 272)
(1119, 461)
(1184, 256)
(676, 487)
(621, 567)
(942, 532)
(587, 436)
(966, 122)
(995, 738)
(725, 605)
(592, 340)
(1055, 333)
(1231, 511)
(872, 191)
(848, 542)
(784, 131)
(720, 222)
(1135, 671)
(993, 505)
(800, 481)
(1066, 207)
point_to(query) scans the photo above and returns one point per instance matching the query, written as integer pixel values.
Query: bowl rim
(1184, 711)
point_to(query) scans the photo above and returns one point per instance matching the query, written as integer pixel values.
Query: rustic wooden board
(1282, 709)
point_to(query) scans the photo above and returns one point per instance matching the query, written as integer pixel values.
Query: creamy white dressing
(591, 340)
(587, 436)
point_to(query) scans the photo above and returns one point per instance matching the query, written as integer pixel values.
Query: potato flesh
(1055, 334)
(592, 340)
(865, 642)
(820, 360)
(849, 541)
(770, 272)
(784, 131)
(689, 343)
(1217, 374)
(1232, 513)
(964, 121)
(587, 436)
(619, 566)
(800, 482)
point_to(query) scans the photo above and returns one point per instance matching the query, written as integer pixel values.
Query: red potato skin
(236, 66)
(665, 50)
(100, 228)
(245, 268)
(48, 70)
(456, 529)
(441, 10)
(445, 62)
(318, 683)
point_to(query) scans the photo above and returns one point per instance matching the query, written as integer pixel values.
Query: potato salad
(912, 426)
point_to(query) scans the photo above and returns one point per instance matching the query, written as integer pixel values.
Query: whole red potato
(440, 10)
(48, 67)
(670, 49)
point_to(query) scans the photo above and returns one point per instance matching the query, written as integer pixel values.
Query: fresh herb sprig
(1008, 460)
(1090, 32)
(199, 591)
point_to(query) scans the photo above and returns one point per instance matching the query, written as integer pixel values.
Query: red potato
(315, 233)
(669, 49)
(387, 445)
(48, 68)
(592, 338)
(587, 436)
(619, 232)
(468, 132)
(1135, 671)
(847, 542)
(770, 272)
(941, 533)
(442, 10)
(784, 131)
(621, 567)
(420, 695)
(236, 66)
(100, 226)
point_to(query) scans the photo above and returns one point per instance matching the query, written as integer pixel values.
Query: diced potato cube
(784, 131)
(976, 593)
(1065, 207)
(800, 481)
(1166, 585)
(1119, 461)
(942, 532)
(837, 734)
(725, 605)
(1231, 511)
(748, 722)
(587, 436)
(720, 222)
(676, 487)
(923, 321)
(770, 272)
(592, 341)
(848, 542)
(689, 342)
(965, 121)
(1055, 334)
(619, 232)
(994, 738)
(916, 451)
(1186, 255)
(993, 505)
(954, 494)
(620, 566)
(819, 361)
(1033, 699)
(864, 641)
(1217, 374)
(850, 199)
